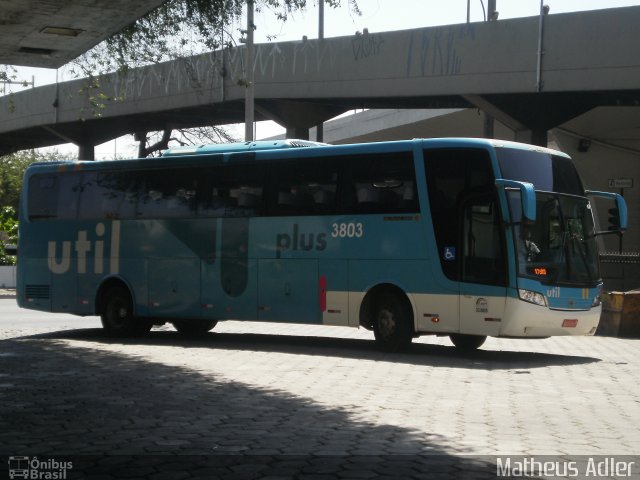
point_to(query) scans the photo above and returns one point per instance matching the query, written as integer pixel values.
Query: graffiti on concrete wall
(429, 52)
(290, 58)
(366, 45)
(436, 51)
(199, 73)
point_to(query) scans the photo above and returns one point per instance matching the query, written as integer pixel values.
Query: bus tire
(392, 323)
(467, 342)
(117, 314)
(195, 327)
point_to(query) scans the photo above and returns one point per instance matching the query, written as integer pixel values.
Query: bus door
(460, 183)
(482, 264)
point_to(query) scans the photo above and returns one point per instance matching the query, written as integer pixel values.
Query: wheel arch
(106, 285)
(375, 292)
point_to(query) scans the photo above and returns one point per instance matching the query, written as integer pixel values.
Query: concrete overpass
(588, 59)
(45, 33)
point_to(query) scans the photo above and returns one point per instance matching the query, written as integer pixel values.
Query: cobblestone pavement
(253, 400)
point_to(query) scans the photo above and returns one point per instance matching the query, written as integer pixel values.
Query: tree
(180, 28)
(8, 234)
(149, 144)
(12, 168)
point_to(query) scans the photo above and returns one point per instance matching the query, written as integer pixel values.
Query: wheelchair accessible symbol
(449, 253)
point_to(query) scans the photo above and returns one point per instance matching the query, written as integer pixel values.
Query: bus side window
(304, 188)
(69, 189)
(169, 194)
(106, 195)
(380, 183)
(43, 197)
(229, 191)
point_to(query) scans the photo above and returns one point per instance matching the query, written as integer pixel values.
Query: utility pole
(249, 111)
(22, 83)
(320, 126)
(491, 10)
(489, 122)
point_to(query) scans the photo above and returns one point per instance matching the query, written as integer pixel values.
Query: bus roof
(239, 147)
(270, 148)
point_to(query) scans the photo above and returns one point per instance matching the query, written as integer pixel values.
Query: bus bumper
(526, 320)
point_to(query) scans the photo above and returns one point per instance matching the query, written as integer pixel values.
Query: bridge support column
(86, 151)
(301, 133)
(531, 116)
(534, 137)
(297, 116)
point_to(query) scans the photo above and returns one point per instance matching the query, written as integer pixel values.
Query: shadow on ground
(419, 354)
(119, 416)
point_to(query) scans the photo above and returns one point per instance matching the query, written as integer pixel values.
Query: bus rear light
(322, 286)
(570, 323)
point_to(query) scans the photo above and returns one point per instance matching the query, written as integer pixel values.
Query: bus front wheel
(194, 327)
(117, 314)
(392, 325)
(467, 342)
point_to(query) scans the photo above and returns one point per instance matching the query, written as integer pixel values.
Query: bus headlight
(532, 297)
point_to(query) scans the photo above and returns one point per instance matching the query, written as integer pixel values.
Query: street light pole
(489, 122)
(320, 126)
(249, 111)
(321, 19)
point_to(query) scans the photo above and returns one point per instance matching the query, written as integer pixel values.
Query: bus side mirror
(527, 194)
(618, 220)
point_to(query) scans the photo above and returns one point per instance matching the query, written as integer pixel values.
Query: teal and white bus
(467, 238)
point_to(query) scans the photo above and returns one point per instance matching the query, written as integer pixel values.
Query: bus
(465, 238)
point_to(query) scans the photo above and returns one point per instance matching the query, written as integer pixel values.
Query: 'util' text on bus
(89, 252)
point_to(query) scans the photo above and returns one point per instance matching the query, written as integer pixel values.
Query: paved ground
(258, 400)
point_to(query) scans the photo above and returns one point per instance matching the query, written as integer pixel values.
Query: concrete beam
(587, 62)
(24, 40)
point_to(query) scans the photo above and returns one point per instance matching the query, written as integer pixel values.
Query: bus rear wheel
(467, 342)
(194, 327)
(392, 325)
(117, 314)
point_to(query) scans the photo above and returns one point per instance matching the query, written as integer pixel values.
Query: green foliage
(8, 233)
(12, 168)
(180, 28)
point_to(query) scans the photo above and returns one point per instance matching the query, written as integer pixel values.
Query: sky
(377, 16)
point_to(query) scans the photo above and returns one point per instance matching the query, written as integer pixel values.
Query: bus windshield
(559, 248)
(547, 172)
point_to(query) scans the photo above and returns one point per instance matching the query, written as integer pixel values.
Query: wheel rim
(118, 313)
(386, 323)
